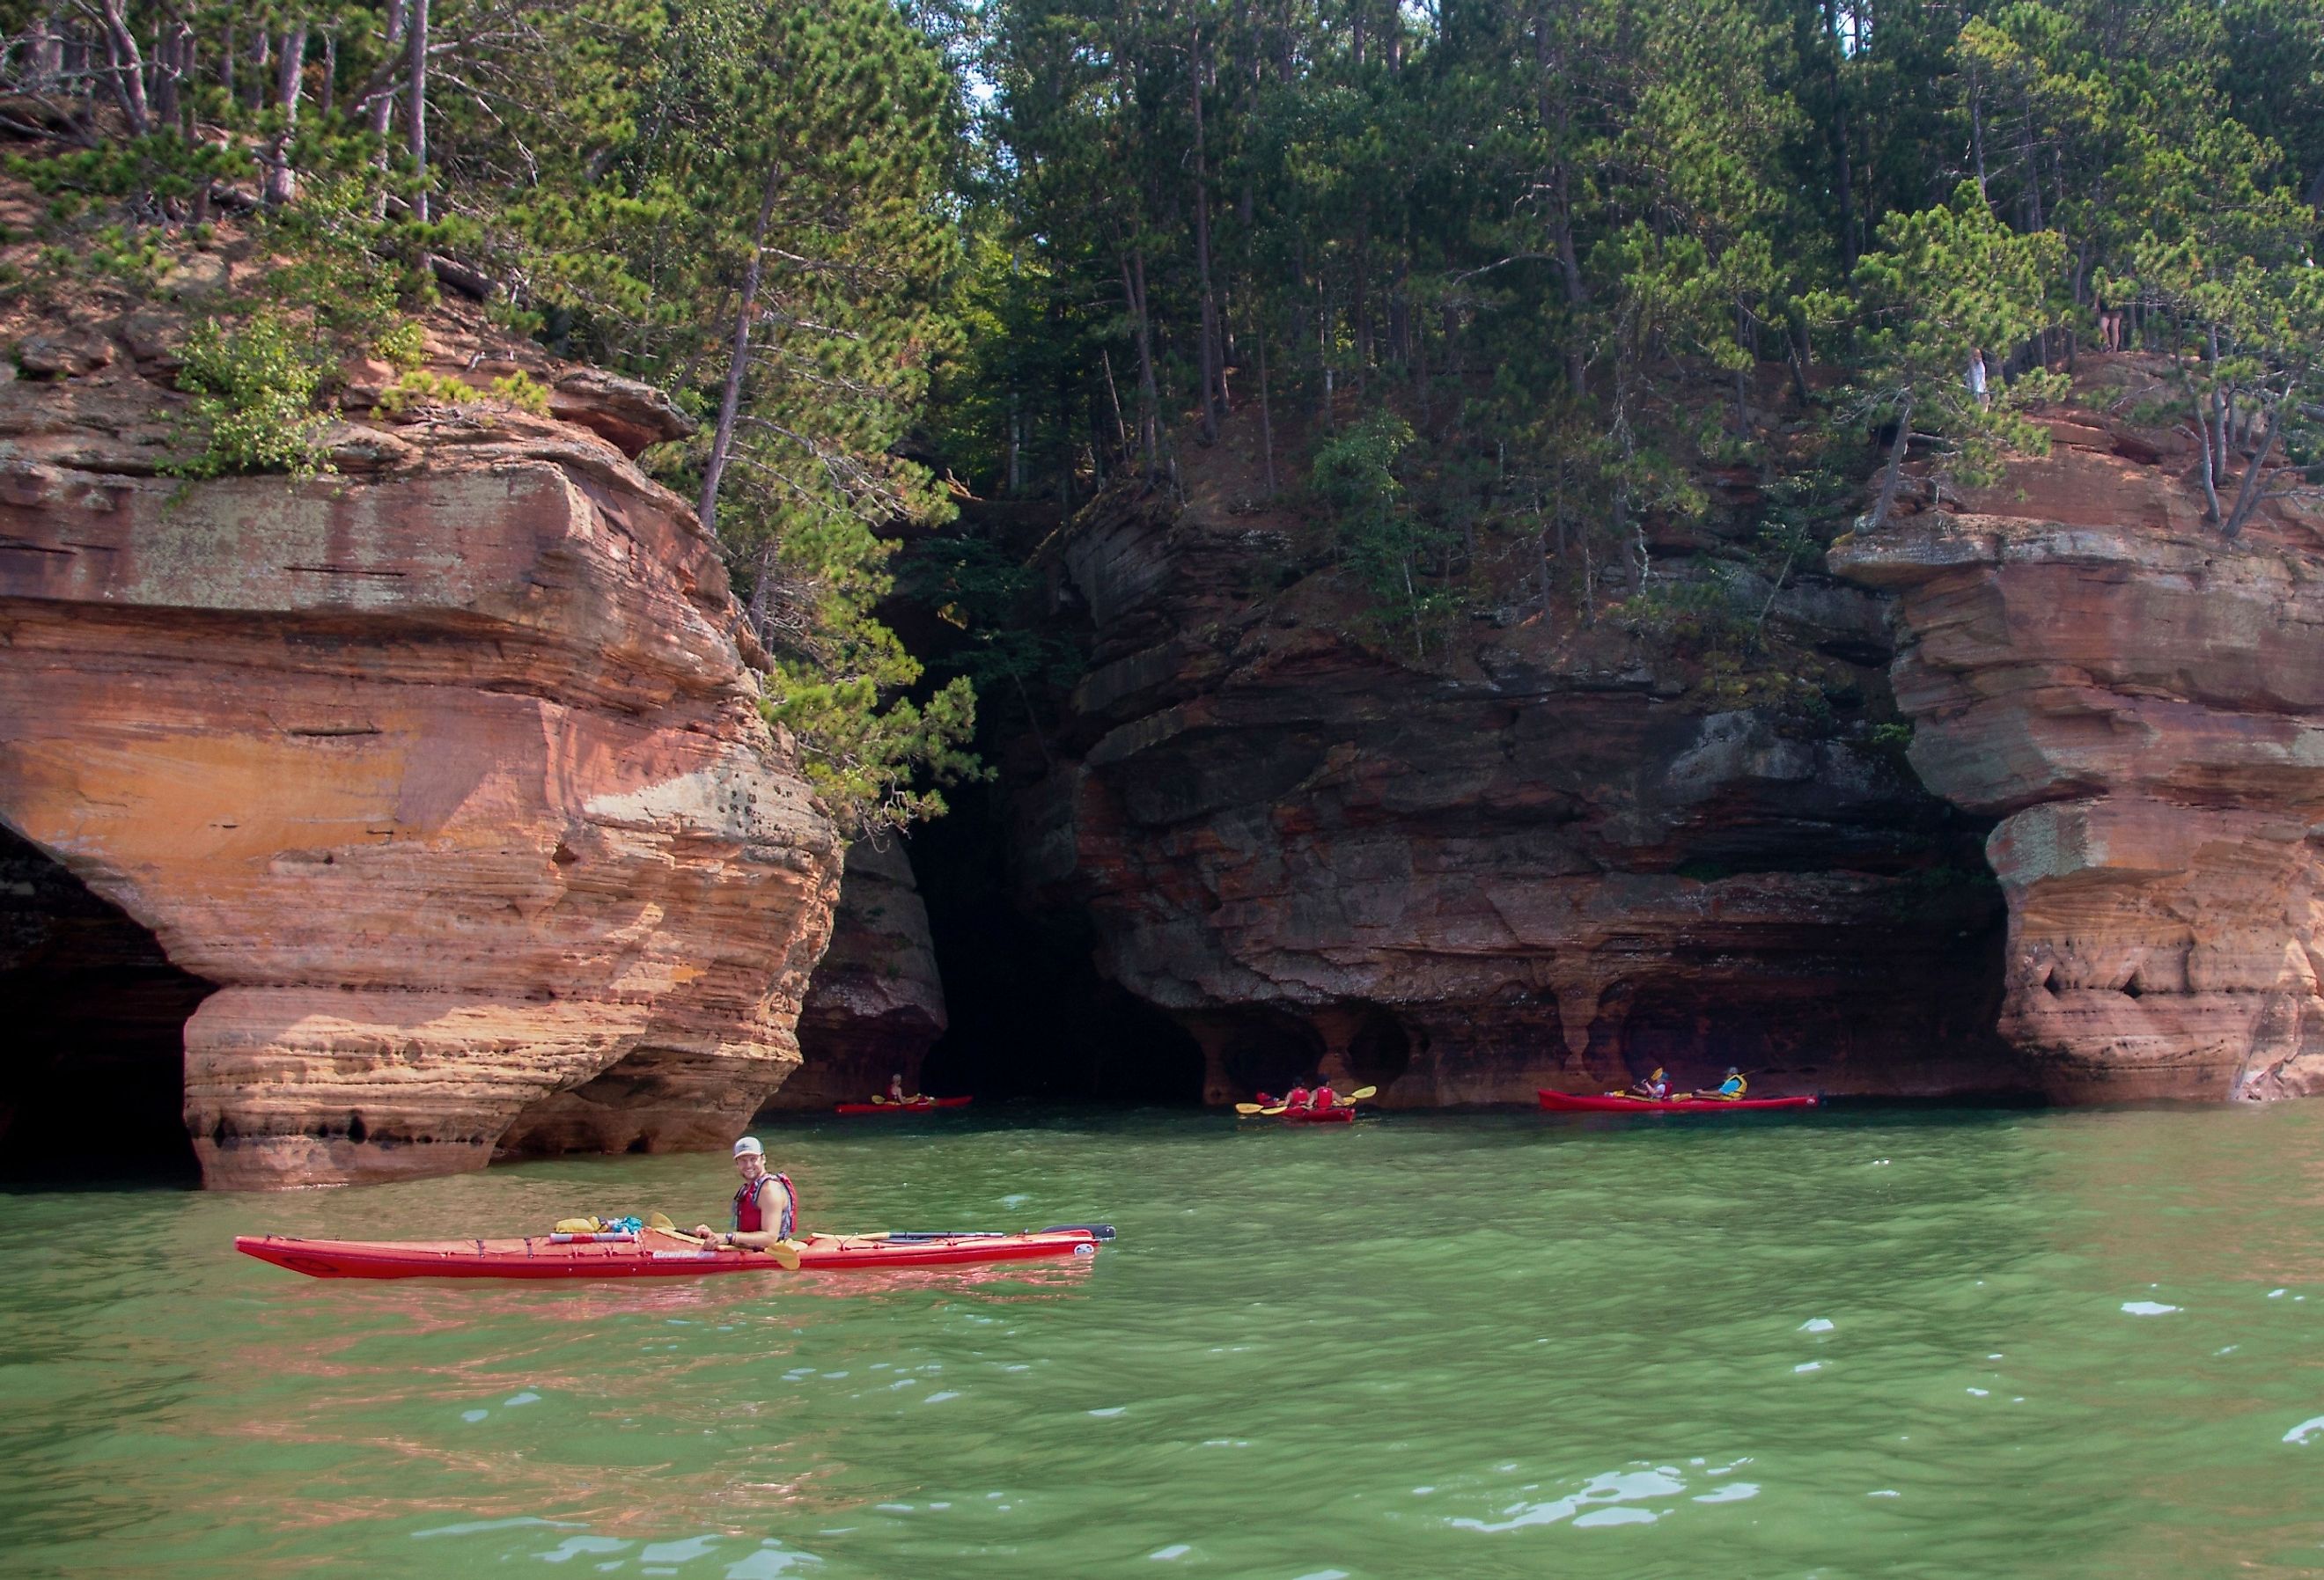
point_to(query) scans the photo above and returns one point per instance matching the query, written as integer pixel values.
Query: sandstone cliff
(2141, 703)
(1535, 857)
(877, 1002)
(443, 770)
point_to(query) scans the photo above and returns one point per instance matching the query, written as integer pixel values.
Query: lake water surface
(1877, 1342)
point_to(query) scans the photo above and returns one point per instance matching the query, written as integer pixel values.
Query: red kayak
(650, 1255)
(1316, 1115)
(1614, 1103)
(922, 1106)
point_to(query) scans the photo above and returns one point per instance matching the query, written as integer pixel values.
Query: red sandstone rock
(1539, 861)
(2142, 703)
(450, 778)
(877, 1002)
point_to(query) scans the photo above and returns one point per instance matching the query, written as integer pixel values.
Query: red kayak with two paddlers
(908, 1105)
(1301, 1107)
(653, 1253)
(1620, 1103)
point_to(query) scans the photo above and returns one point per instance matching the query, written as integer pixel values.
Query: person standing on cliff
(766, 1206)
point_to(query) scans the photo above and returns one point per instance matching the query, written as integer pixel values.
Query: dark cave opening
(1031, 1016)
(93, 1084)
(1264, 1049)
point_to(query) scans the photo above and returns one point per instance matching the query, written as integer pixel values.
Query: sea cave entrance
(1031, 1016)
(93, 1066)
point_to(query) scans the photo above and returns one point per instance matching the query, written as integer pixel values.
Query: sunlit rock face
(2141, 704)
(446, 771)
(1528, 857)
(877, 1002)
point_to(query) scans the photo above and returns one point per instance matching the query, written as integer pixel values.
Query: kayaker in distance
(896, 1087)
(1732, 1087)
(1322, 1099)
(1656, 1086)
(763, 1199)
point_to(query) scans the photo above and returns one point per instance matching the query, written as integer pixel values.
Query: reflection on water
(1839, 1343)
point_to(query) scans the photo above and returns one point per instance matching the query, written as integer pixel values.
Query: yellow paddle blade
(661, 1221)
(786, 1253)
(1248, 1108)
(1277, 1109)
(1361, 1093)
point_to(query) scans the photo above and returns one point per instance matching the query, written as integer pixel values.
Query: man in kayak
(766, 1207)
(1731, 1089)
(1322, 1099)
(1655, 1087)
(896, 1087)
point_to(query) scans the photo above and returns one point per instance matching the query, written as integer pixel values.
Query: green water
(1894, 1344)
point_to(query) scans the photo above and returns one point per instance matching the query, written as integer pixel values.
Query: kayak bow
(650, 1255)
(1614, 1103)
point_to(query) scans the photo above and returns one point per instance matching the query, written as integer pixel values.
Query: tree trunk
(1266, 418)
(1210, 355)
(1895, 469)
(1149, 395)
(2247, 497)
(125, 68)
(382, 108)
(281, 185)
(1120, 429)
(738, 360)
(170, 38)
(416, 28)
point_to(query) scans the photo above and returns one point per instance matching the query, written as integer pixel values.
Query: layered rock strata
(877, 1002)
(2141, 704)
(1540, 859)
(444, 770)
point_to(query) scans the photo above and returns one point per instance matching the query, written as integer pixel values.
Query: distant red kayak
(919, 1107)
(1316, 1116)
(1611, 1103)
(650, 1255)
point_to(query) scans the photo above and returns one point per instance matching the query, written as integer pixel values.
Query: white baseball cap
(749, 1147)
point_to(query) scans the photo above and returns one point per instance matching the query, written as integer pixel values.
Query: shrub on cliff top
(253, 406)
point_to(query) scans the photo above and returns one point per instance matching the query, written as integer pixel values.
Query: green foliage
(253, 405)
(522, 391)
(863, 761)
(1382, 538)
(1946, 286)
(990, 597)
(421, 386)
(403, 345)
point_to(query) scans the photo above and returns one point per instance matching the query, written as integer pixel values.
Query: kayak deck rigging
(654, 1253)
(1617, 1102)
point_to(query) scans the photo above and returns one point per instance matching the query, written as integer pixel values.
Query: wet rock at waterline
(1537, 853)
(2141, 703)
(445, 770)
(877, 1002)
